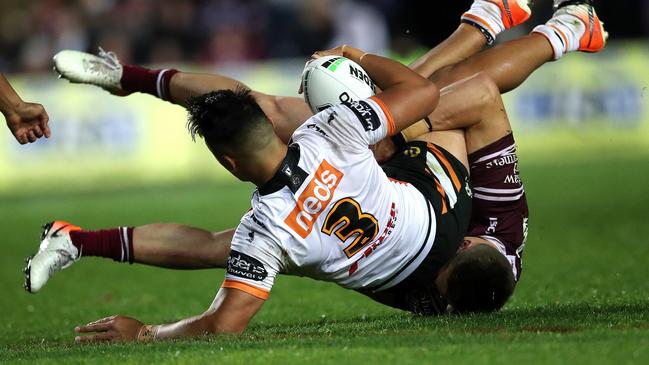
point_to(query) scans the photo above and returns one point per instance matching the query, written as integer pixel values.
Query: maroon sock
(116, 243)
(154, 82)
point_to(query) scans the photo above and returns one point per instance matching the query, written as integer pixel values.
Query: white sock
(564, 31)
(487, 17)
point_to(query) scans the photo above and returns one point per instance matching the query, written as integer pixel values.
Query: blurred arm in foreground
(26, 121)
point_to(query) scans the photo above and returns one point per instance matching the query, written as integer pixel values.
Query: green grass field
(583, 297)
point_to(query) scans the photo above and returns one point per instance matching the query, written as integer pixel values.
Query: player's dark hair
(480, 280)
(228, 120)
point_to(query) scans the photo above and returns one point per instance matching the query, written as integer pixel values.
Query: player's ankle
(563, 32)
(486, 17)
(154, 82)
(116, 243)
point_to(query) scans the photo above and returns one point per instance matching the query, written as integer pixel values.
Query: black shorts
(452, 214)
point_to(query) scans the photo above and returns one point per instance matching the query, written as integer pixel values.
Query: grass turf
(583, 297)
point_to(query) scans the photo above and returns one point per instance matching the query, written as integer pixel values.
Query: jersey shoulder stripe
(392, 128)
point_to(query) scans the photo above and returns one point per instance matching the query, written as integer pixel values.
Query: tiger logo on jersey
(314, 199)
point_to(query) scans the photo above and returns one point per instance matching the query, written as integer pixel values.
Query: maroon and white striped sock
(115, 243)
(154, 82)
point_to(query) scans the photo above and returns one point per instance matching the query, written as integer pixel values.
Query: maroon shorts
(499, 212)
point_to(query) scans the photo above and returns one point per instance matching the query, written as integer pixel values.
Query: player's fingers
(37, 131)
(94, 327)
(31, 137)
(102, 320)
(21, 138)
(300, 90)
(99, 337)
(47, 132)
(44, 123)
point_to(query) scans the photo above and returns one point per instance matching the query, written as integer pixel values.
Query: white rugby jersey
(331, 213)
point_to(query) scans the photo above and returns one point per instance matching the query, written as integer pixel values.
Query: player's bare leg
(474, 107)
(463, 43)
(573, 27)
(177, 246)
(480, 26)
(167, 245)
(508, 65)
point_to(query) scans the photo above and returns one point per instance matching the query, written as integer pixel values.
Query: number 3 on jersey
(347, 218)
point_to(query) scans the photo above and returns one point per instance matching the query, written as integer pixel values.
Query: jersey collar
(289, 173)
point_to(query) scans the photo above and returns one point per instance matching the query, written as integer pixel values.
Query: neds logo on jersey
(244, 266)
(314, 199)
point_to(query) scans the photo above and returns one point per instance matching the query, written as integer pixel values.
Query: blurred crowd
(220, 31)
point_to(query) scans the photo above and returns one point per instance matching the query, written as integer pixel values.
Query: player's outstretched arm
(230, 312)
(26, 121)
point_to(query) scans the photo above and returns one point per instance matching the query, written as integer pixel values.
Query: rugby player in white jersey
(438, 119)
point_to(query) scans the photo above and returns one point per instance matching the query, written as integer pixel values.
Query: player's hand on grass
(110, 329)
(28, 122)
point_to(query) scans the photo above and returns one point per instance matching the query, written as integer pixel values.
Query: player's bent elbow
(217, 322)
(219, 328)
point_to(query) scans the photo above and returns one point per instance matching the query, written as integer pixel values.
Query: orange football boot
(513, 12)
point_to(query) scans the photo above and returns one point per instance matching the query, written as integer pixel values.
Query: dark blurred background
(208, 32)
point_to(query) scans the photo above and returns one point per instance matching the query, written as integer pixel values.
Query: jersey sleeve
(353, 125)
(254, 262)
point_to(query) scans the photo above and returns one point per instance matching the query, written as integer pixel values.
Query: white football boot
(579, 18)
(561, 3)
(103, 70)
(55, 253)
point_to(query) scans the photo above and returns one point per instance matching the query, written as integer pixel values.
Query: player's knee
(480, 280)
(488, 88)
